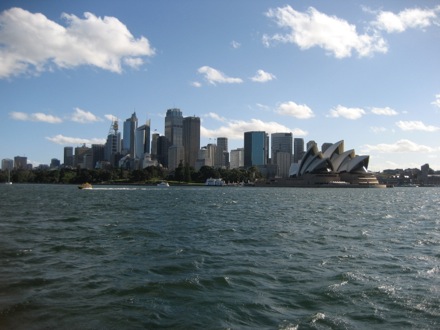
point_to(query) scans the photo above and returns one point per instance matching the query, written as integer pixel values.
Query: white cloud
(196, 84)
(234, 129)
(387, 111)
(416, 126)
(38, 116)
(401, 146)
(235, 44)
(215, 116)
(408, 18)
(110, 117)
(313, 28)
(214, 76)
(263, 76)
(84, 117)
(65, 140)
(32, 43)
(437, 101)
(348, 113)
(300, 111)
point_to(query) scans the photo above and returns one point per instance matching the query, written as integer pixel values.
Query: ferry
(85, 186)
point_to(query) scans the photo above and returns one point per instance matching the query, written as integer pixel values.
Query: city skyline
(363, 72)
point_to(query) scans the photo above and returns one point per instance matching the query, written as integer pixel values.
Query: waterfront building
(7, 164)
(128, 141)
(20, 163)
(298, 149)
(283, 161)
(191, 140)
(68, 156)
(256, 148)
(237, 158)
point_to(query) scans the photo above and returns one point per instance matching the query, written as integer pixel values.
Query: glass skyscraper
(256, 145)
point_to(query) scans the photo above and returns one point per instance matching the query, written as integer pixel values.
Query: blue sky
(366, 72)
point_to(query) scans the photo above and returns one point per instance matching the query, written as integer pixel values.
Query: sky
(366, 72)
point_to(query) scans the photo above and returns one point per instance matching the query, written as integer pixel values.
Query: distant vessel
(163, 184)
(214, 182)
(85, 186)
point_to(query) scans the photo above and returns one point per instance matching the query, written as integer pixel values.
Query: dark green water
(219, 258)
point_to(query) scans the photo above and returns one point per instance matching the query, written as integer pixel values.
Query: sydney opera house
(332, 168)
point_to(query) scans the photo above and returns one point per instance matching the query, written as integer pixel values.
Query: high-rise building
(191, 139)
(256, 145)
(113, 145)
(142, 140)
(98, 154)
(174, 127)
(325, 146)
(154, 142)
(298, 149)
(68, 156)
(7, 164)
(281, 142)
(83, 157)
(310, 144)
(237, 158)
(162, 150)
(221, 156)
(54, 163)
(128, 142)
(206, 156)
(20, 162)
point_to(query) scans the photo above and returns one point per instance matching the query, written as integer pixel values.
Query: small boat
(163, 184)
(9, 177)
(214, 182)
(85, 186)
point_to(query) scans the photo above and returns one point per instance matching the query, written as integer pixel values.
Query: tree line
(151, 174)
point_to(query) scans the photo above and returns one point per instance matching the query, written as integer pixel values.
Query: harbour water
(219, 258)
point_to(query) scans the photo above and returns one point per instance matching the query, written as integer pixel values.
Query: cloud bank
(32, 43)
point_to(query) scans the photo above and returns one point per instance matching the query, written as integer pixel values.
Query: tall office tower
(98, 154)
(7, 164)
(154, 141)
(20, 162)
(54, 163)
(256, 145)
(176, 156)
(206, 156)
(325, 146)
(310, 144)
(113, 145)
(280, 142)
(191, 140)
(237, 158)
(128, 142)
(83, 157)
(220, 156)
(298, 149)
(174, 127)
(142, 140)
(68, 156)
(162, 150)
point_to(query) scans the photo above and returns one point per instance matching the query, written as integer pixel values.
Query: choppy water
(219, 258)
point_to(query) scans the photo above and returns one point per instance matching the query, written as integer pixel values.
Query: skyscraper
(142, 140)
(113, 144)
(128, 142)
(256, 151)
(298, 149)
(174, 127)
(68, 156)
(222, 148)
(280, 142)
(191, 139)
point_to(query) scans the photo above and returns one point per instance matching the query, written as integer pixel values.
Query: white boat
(9, 177)
(85, 186)
(215, 182)
(163, 184)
